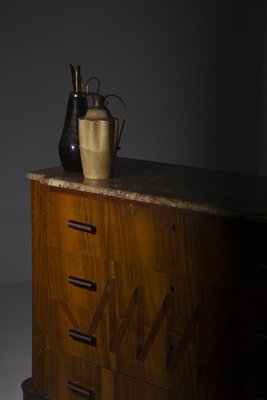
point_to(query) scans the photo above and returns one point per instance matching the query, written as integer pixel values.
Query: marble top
(187, 188)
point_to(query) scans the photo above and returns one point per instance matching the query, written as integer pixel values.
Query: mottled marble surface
(188, 188)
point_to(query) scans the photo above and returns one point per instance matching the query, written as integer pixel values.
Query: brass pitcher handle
(87, 91)
(124, 115)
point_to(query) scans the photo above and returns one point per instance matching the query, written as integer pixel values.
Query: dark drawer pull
(82, 226)
(75, 387)
(82, 283)
(83, 337)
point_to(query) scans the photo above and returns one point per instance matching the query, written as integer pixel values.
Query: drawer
(151, 238)
(116, 231)
(76, 223)
(260, 376)
(250, 379)
(153, 288)
(69, 332)
(144, 324)
(75, 277)
(256, 299)
(220, 252)
(254, 338)
(259, 285)
(72, 379)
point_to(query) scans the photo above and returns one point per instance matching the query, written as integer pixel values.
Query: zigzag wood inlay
(117, 329)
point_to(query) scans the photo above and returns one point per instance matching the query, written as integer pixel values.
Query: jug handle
(124, 115)
(87, 92)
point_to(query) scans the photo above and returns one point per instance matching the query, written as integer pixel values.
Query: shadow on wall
(198, 100)
(188, 70)
(226, 99)
(239, 94)
(190, 73)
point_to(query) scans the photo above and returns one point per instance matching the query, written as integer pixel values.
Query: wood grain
(104, 383)
(178, 306)
(39, 286)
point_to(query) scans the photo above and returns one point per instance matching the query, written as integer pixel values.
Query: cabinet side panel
(39, 283)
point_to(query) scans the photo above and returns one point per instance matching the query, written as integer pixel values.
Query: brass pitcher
(99, 138)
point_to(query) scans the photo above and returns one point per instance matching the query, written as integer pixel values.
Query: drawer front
(76, 223)
(219, 252)
(259, 285)
(261, 290)
(144, 236)
(183, 340)
(116, 231)
(76, 278)
(72, 379)
(143, 324)
(252, 378)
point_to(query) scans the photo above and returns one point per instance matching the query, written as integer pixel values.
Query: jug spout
(98, 110)
(98, 100)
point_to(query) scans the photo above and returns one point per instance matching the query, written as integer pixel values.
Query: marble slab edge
(95, 187)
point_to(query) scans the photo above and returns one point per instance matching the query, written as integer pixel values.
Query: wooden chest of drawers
(142, 296)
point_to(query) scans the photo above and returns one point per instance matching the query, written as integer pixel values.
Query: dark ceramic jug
(68, 148)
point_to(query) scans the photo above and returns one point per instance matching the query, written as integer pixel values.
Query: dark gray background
(192, 73)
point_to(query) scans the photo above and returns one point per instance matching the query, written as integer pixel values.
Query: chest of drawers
(141, 292)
